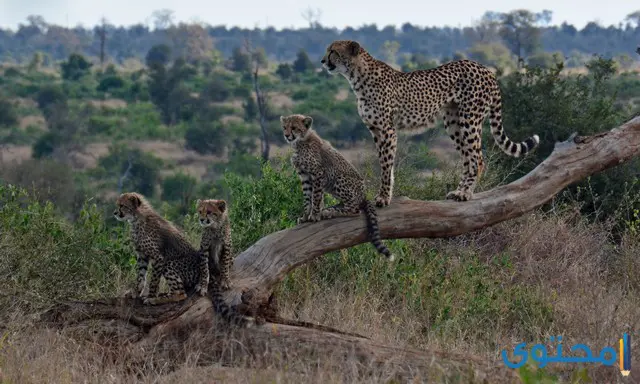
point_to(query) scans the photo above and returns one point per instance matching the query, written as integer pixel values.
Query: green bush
(139, 171)
(110, 82)
(50, 96)
(45, 259)
(46, 144)
(207, 137)
(75, 67)
(553, 105)
(264, 204)
(8, 114)
(179, 187)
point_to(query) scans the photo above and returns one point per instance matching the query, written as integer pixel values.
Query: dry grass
(108, 103)
(575, 267)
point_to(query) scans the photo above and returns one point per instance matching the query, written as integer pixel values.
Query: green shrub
(553, 105)
(179, 187)
(206, 137)
(45, 259)
(8, 114)
(75, 67)
(138, 171)
(110, 82)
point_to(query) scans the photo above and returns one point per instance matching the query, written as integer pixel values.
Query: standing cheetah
(388, 100)
(160, 243)
(322, 168)
(216, 238)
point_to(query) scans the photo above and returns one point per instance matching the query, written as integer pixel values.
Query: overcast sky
(287, 13)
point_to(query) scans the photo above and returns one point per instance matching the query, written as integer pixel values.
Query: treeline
(521, 32)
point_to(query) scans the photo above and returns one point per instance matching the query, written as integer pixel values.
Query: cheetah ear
(198, 202)
(282, 119)
(354, 48)
(307, 121)
(222, 205)
(135, 200)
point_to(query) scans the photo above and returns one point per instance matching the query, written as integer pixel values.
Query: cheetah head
(127, 206)
(341, 56)
(295, 127)
(211, 212)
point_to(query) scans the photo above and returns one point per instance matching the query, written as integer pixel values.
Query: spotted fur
(216, 238)
(322, 168)
(464, 91)
(160, 244)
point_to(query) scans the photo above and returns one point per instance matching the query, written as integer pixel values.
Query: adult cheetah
(389, 100)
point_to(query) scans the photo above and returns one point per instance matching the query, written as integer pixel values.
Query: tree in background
(519, 31)
(390, 52)
(101, 32)
(240, 61)
(284, 70)
(261, 98)
(166, 85)
(75, 67)
(162, 18)
(302, 62)
(191, 42)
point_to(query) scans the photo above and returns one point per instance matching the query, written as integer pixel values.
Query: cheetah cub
(216, 238)
(161, 244)
(322, 168)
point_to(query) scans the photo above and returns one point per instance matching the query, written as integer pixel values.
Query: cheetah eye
(208, 211)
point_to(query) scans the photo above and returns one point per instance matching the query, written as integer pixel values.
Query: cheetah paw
(315, 217)
(382, 201)
(202, 291)
(302, 219)
(225, 284)
(458, 195)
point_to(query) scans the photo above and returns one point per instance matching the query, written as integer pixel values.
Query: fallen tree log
(264, 264)
(258, 269)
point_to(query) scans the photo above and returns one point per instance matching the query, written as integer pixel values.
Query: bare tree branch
(126, 174)
(261, 99)
(312, 16)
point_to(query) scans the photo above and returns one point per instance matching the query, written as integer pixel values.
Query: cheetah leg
(156, 274)
(225, 261)
(317, 197)
(306, 191)
(386, 142)
(203, 266)
(176, 289)
(339, 210)
(468, 142)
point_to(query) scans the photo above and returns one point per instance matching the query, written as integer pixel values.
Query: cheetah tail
(373, 229)
(228, 313)
(509, 147)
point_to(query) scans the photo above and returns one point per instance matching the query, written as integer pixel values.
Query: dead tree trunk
(261, 100)
(259, 268)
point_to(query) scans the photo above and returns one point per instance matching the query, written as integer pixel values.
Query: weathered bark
(169, 331)
(258, 269)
